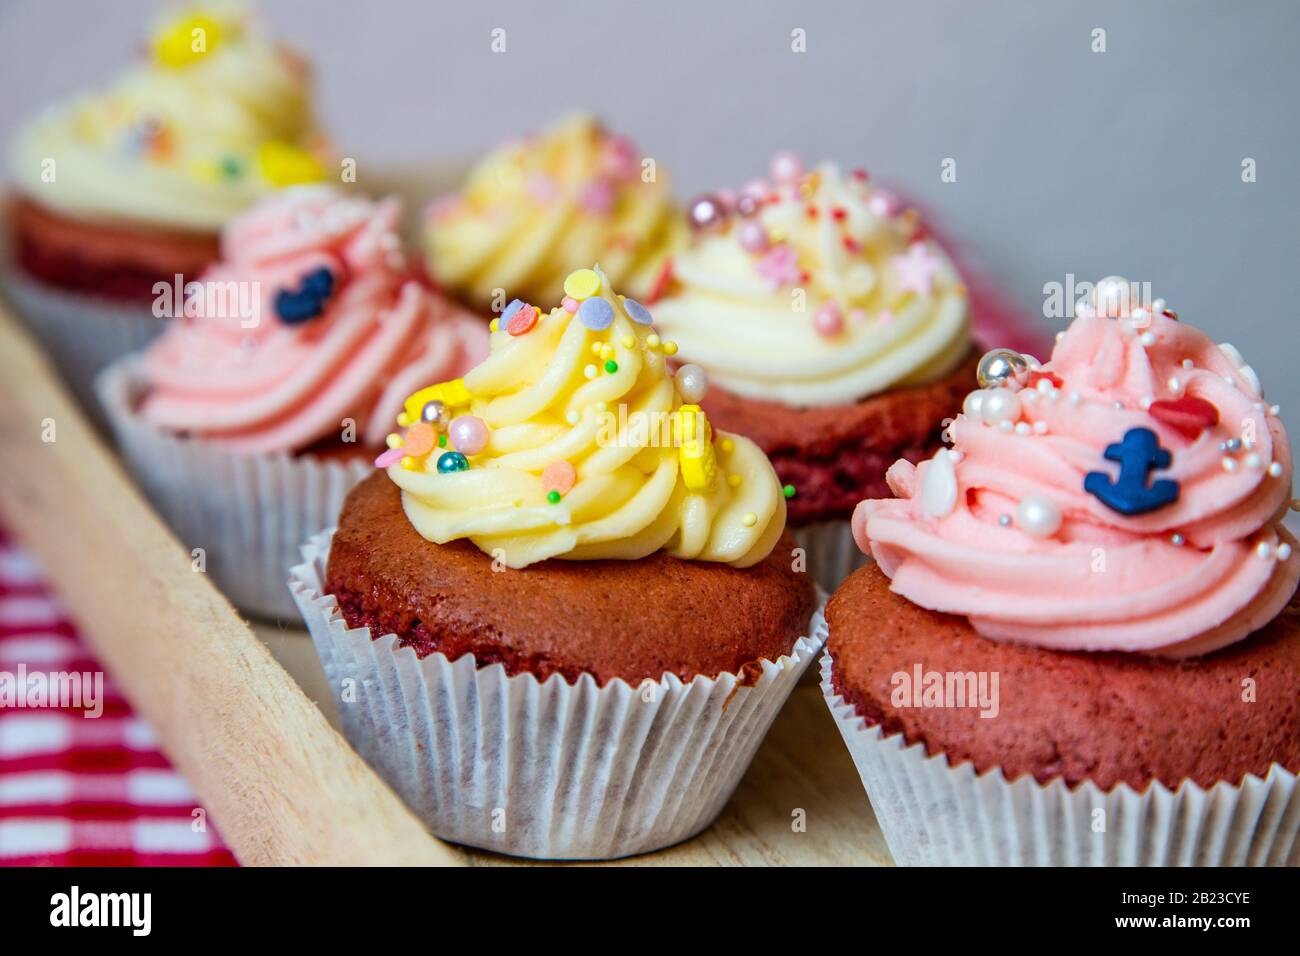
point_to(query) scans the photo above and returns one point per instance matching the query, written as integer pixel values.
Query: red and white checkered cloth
(76, 791)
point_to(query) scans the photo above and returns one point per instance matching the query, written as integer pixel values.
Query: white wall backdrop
(1068, 161)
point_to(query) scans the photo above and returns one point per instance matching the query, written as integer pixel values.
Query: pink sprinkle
(618, 158)
(779, 266)
(884, 204)
(858, 316)
(885, 317)
(570, 304)
(559, 476)
(542, 189)
(390, 457)
(597, 198)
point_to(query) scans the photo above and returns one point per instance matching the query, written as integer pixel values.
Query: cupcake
(834, 332)
(571, 616)
(119, 192)
(573, 193)
(1080, 642)
(252, 415)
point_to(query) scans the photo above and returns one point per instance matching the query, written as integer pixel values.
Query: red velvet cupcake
(120, 195)
(832, 330)
(1081, 639)
(571, 607)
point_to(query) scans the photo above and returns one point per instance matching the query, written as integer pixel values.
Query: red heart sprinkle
(1188, 416)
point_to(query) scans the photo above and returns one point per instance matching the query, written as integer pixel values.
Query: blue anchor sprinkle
(1138, 455)
(307, 302)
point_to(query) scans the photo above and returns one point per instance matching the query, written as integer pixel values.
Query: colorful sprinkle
(1188, 416)
(390, 457)
(611, 366)
(570, 304)
(582, 284)
(596, 314)
(420, 439)
(1138, 455)
(294, 306)
(451, 461)
(749, 520)
(553, 497)
(637, 312)
(523, 320)
(787, 490)
(670, 348)
(470, 434)
(559, 477)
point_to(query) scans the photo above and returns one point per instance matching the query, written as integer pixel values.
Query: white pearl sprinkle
(1188, 363)
(1254, 461)
(1264, 550)
(1119, 406)
(1174, 384)
(1230, 380)
(1283, 552)
(1004, 520)
(1147, 339)
(1040, 427)
(1158, 305)
(1045, 386)
(1059, 336)
(1147, 401)
(1275, 409)
(1075, 397)
(589, 371)
(1005, 426)
(1177, 539)
(1023, 428)
(1229, 464)
(573, 418)
(956, 457)
(1275, 469)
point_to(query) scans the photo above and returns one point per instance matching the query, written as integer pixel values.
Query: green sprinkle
(788, 491)
(611, 366)
(442, 443)
(553, 497)
(230, 167)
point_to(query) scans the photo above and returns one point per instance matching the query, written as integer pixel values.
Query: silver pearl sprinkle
(1000, 366)
(706, 212)
(1177, 539)
(1004, 520)
(434, 412)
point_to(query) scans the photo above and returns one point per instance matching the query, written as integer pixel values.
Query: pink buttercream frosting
(1183, 579)
(231, 369)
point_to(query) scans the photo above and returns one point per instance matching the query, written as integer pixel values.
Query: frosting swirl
(571, 440)
(573, 193)
(184, 139)
(263, 360)
(816, 289)
(1011, 530)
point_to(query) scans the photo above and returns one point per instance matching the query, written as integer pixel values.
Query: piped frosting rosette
(573, 440)
(214, 117)
(573, 193)
(814, 288)
(310, 320)
(1127, 496)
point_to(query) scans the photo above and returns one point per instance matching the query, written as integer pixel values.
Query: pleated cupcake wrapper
(249, 513)
(82, 333)
(831, 551)
(548, 770)
(935, 814)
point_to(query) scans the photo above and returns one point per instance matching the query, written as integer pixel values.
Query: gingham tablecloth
(78, 791)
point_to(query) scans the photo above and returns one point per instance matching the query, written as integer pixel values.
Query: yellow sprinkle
(670, 348)
(284, 164)
(607, 351)
(582, 284)
(402, 419)
(777, 235)
(409, 463)
(596, 347)
(733, 480)
(629, 341)
(749, 520)
(494, 325)
(652, 340)
(394, 440)
(728, 445)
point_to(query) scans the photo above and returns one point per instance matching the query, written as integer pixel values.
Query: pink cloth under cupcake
(1002, 529)
(310, 320)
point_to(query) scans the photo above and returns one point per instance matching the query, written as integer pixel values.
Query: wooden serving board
(255, 732)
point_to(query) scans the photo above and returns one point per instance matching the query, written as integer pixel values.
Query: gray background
(1068, 161)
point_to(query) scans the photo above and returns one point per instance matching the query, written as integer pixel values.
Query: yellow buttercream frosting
(213, 118)
(529, 210)
(815, 289)
(582, 448)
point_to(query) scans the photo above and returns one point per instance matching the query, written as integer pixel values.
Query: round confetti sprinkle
(749, 520)
(670, 348)
(559, 477)
(570, 304)
(596, 314)
(582, 284)
(522, 321)
(509, 311)
(788, 491)
(553, 497)
(420, 439)
(638, 312)
(733, 481)
(450, 461)
(611, 366)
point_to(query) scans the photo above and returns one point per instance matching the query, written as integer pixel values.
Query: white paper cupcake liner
(935, 814)
(548, 770)
(81, 334)
(249, 513)
(832, 553)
